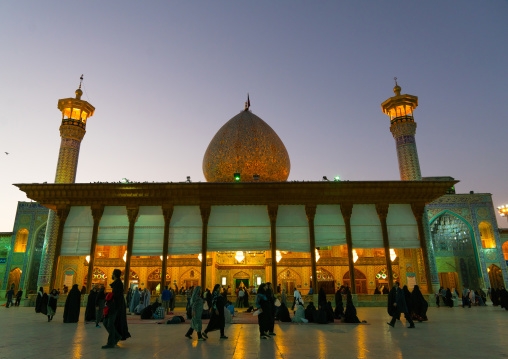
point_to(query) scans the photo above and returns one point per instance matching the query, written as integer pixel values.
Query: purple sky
(164, 78)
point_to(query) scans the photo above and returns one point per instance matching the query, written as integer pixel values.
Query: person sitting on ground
(177, 319)
(310, 312)
(300, 311)
(339, 306)
(350, 314)
(283, 313)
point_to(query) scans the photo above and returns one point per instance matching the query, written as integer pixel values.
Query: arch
(14, 278)
(156, 275)
(132, 275)
(471, 232)
(325, 280)
(36, 246)
(324, 275)
(487, 235)
(289, 280)
(495, 276)
(241, 275)
(505, 250)
(190, 278)
(98, 277)
(21, 240)
(68, 277)
(360, 281)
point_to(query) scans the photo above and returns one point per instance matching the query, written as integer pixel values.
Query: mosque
(247, 224)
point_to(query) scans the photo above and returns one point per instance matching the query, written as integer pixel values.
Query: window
(21, 239)
(487, 235)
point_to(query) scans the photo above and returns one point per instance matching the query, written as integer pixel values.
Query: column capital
(272, 211)
(97, 212)
(167, 212)
(310, 211)
(418, 209)
(382, 210)
(132, 213)
(62, 212)
(205, 209)
(346, 210)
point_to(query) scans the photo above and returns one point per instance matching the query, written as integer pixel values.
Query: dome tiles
(247, 145)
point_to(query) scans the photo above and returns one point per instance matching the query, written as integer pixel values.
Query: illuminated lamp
(355, 256)
(503, 211)
(393, 255)
(200, 257)
(278, 256)
(237, 177)
(125, 180)
(239, 256)
(337, 179)
(125, 256)
(317, 255)
(87, 259)
(258, 280)
(161, 257)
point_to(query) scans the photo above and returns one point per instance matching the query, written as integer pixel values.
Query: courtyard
(450, 332)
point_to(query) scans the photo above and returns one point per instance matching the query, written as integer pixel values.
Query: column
(418, 211)
(310, 211)
(167, 212)
(272, 214)
(97, 211)
(61, 214)
(205, 216)
(346, 210)
(382, 213)
(132, 214)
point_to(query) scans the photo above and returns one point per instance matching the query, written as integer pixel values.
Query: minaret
(75, 113)
(403, 128)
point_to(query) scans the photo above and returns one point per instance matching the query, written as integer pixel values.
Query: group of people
(10, 295)
(47, 303)
(499, 297)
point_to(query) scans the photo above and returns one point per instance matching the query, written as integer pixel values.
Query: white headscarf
(298, 298)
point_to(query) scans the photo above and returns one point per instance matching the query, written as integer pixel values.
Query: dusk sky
(165, 76)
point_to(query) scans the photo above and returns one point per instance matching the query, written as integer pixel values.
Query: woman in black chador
(419, 305)
(494, 297)
(339, 306)
(448, 296)
(90, 306)
(397, 306)
(72, 305)
(322, 316)
(217, 321)
(311, 312)
(350, 315)
(115, 316)
(38, 301)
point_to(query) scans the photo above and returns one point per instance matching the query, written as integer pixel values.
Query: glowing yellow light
(239, 256)
(317, 255)
(87, 259)
(355, 256)
(125, 256)
(200, 257)
(278, 256)
(393, 255)
(166, 257)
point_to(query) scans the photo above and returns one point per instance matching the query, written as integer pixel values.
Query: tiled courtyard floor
(479, 332)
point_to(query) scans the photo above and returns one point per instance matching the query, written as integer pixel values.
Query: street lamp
(503, 211)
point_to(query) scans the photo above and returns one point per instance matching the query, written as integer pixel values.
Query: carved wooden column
(310, 211)
(418, 209)
(382, 213)
(205, 216)
(346, 210)
(132, 213)
(97, 211)
(167, 212)
(62, 214)
(272, 214)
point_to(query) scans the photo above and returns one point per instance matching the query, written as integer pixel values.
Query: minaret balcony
(73, 122)
(402, 119)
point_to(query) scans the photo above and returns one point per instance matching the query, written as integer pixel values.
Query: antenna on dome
(247, 103)
(80, 80)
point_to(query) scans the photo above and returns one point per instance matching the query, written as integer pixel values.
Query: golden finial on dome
(247, 103)
(397, 88)
(78, 91)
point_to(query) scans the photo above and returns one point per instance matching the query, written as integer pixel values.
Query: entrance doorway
(450, 280)
(14, 277)
(241, 283)
(495, 276)
(360, 281)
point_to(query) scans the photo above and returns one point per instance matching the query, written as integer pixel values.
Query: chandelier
(125, 256)
(239, 256)
(355, 256)
(393, 255)
(317, 255)
(87, 259)
(200, 257)
(278, 256)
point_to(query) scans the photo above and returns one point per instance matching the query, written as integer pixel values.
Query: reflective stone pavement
(450, 333)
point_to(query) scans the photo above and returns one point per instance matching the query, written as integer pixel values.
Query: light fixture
(503, 210)
(355, 256)
(125, 180)
(317, 255)
(278, 256)
(200, 257)
(237, 177)
(393, 255)
(259, 280)
(337, 179)
(239, 256)
(87, 259)
(166, 257)
(125, 256)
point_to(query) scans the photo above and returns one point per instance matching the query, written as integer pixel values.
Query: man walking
(9, 295)
(397, 306)
(19, 294)
(166, 299)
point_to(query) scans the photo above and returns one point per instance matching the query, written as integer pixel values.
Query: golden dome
(247, 145)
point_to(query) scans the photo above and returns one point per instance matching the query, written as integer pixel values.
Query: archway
(360, 281)
(35, 262)
(455, 252)
(289, 280)
(14, 277)
(495, 276)
(241, 279)
(505, 251)
(98, 277)
(325, 280)
(21, 240)
(382, 280)
(68, 279)
(487, 235)
(155, 278)
(190, 278)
